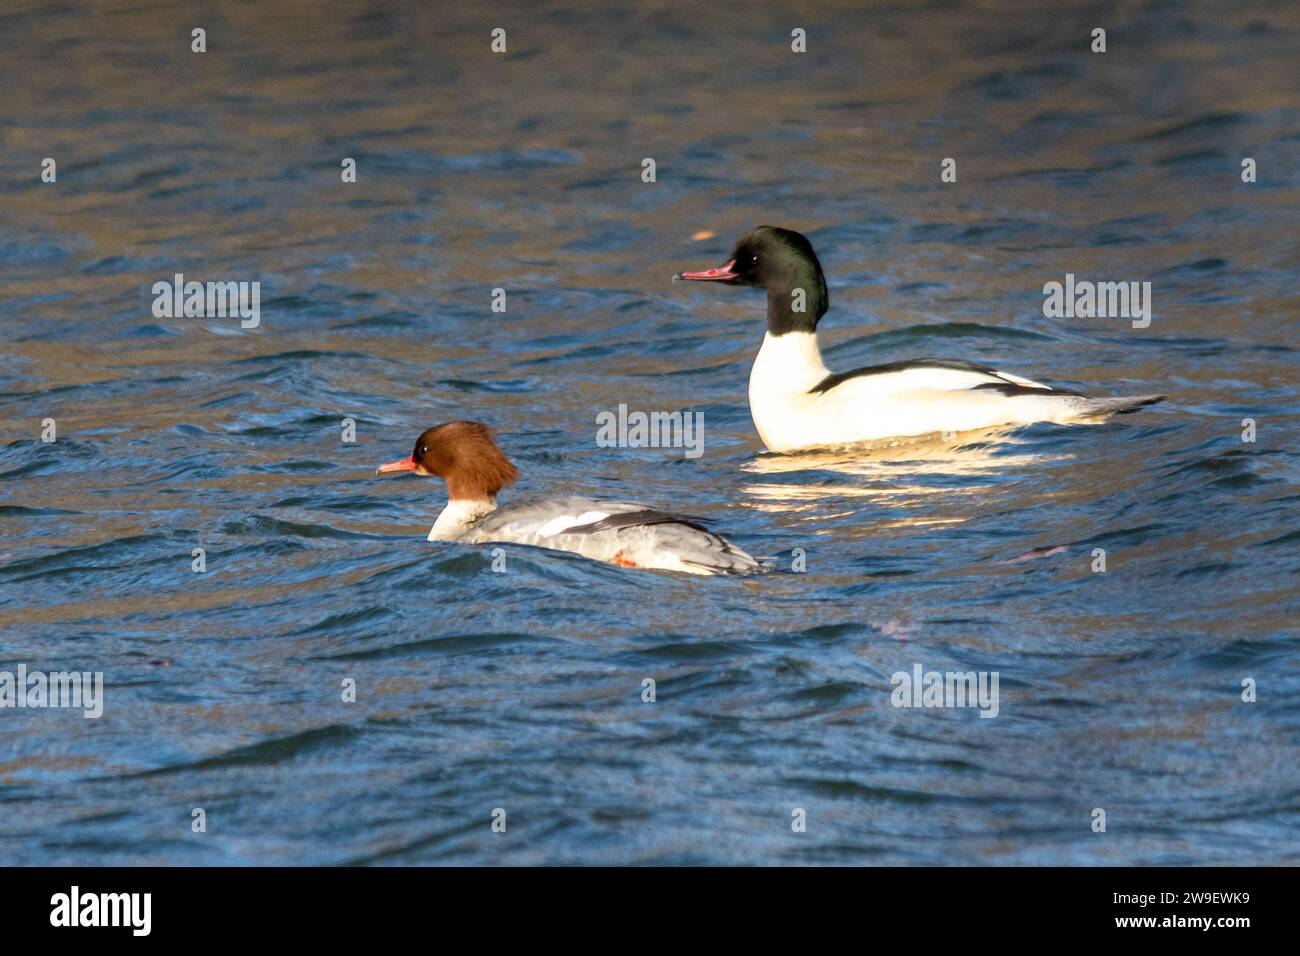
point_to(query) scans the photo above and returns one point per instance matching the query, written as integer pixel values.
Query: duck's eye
(754, 260)
(423, 450)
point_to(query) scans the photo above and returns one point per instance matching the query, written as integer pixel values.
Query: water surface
(522, 690)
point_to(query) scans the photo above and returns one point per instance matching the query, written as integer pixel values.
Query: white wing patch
(565, 522)
(1028, 383)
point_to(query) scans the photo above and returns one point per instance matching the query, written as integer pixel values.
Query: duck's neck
(798, 304)
(459, 516)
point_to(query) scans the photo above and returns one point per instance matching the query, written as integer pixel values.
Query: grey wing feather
(638, 519)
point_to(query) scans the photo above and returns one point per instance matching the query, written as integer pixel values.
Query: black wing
(839, 378)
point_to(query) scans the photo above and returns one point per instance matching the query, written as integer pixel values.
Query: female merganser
(466, 457)
(797, 403)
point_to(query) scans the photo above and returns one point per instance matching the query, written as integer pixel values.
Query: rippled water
(476, 690)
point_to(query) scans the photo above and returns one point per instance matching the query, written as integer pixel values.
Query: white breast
(458, 517)
(785, 369)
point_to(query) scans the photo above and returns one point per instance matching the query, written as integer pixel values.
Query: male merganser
(466, 457)
(797, 403)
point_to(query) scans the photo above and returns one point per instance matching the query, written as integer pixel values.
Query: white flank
(910, 402)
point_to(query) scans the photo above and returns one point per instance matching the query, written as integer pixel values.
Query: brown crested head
(466, 456)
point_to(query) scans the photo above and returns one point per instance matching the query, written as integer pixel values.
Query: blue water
(522, 690)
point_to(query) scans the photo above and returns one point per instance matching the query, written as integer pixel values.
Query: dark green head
(781, 261)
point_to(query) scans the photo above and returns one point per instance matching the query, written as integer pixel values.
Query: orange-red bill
(403, 464)
(723, 273)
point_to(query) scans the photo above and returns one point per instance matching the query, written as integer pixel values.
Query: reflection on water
(901, 471)
(1120, 688)
(926, 482)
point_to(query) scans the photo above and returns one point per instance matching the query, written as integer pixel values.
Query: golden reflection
(897, 473)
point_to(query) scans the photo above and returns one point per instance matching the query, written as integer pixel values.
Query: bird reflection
(899, 473)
